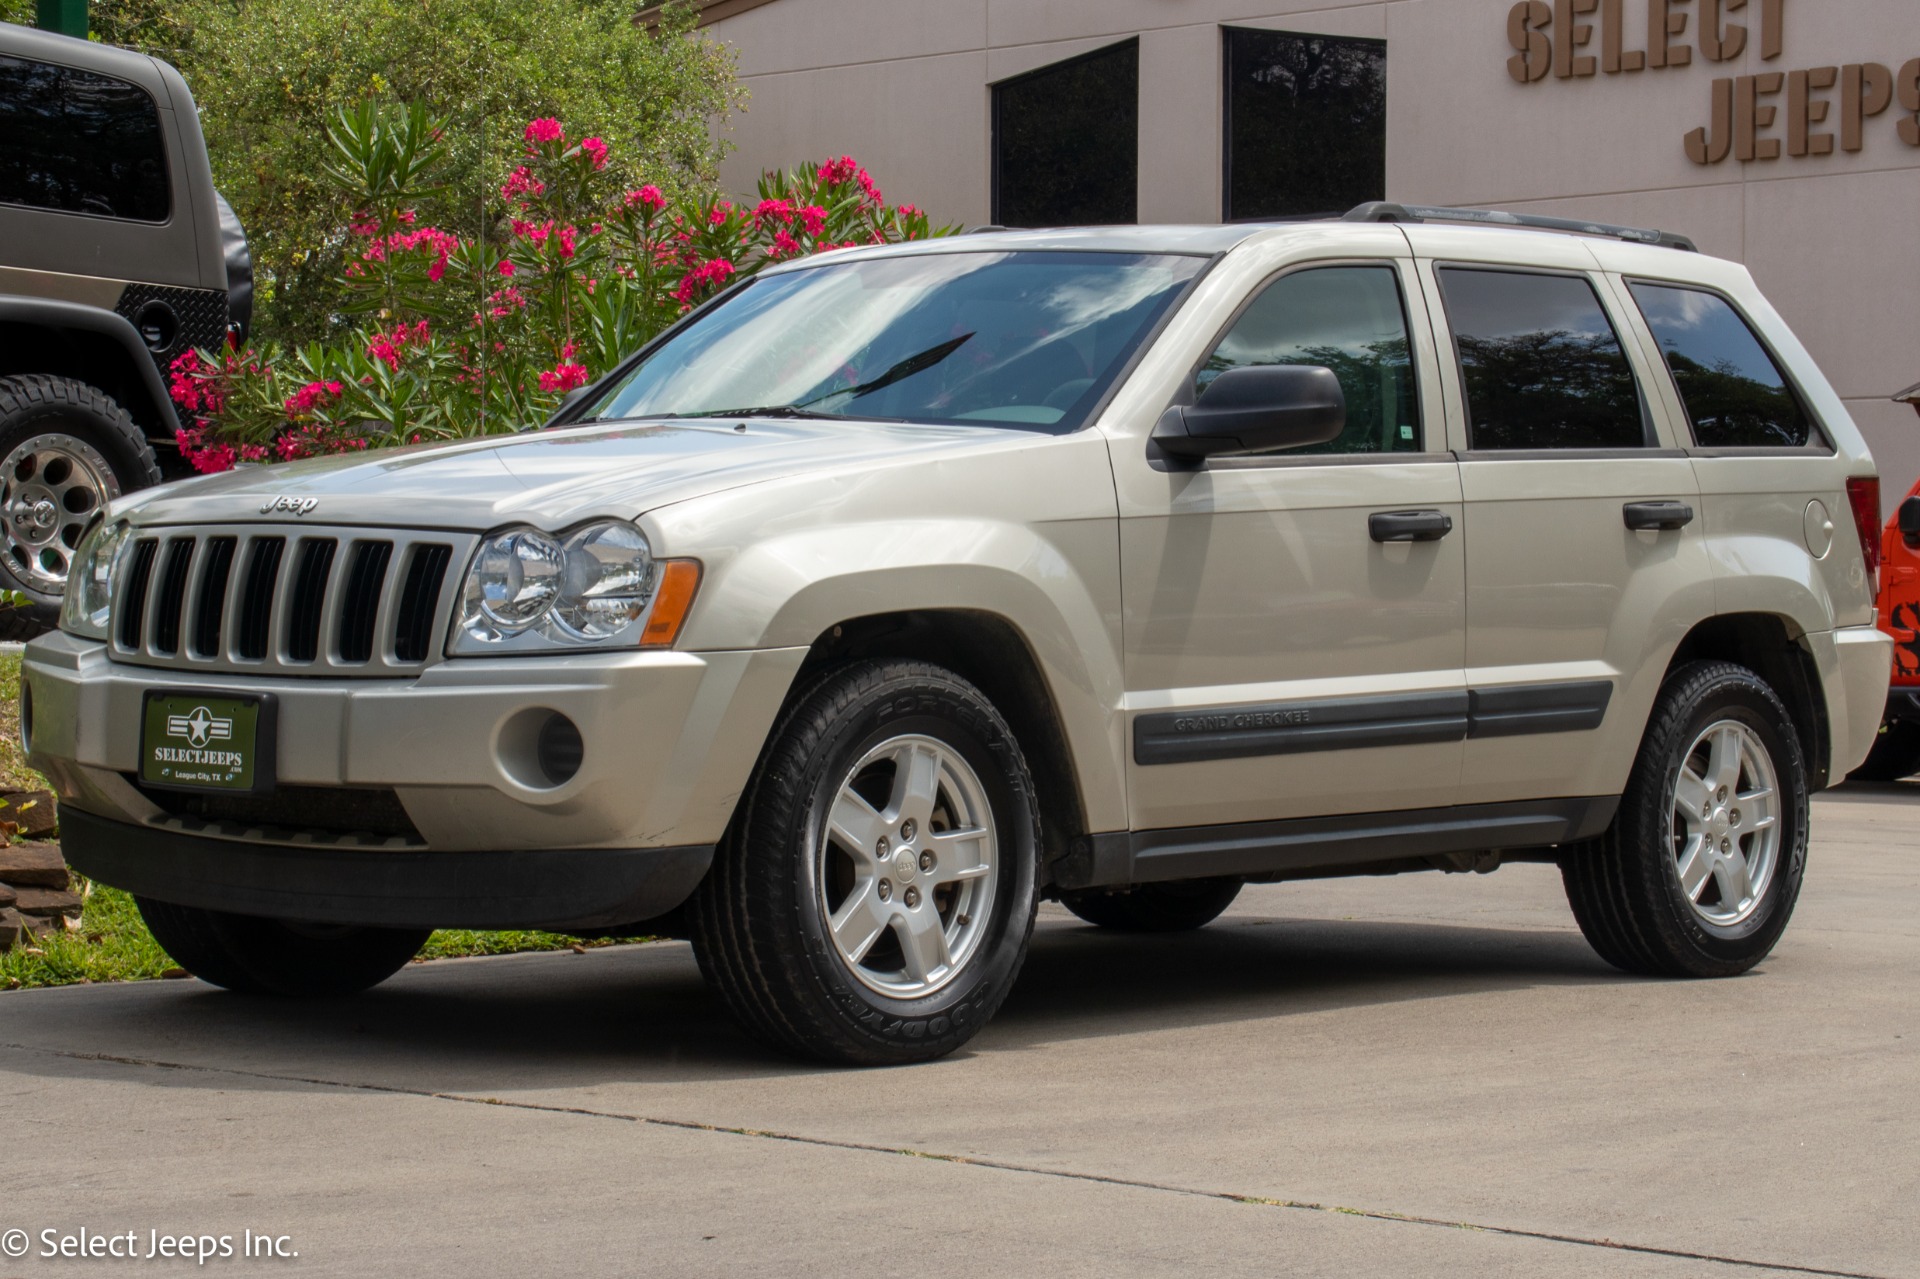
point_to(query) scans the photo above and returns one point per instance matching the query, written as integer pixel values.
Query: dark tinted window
(1306, 123)
(1066, 142)
(1350, 320)
(1541, 364)
(79, 143)
(1735, 394)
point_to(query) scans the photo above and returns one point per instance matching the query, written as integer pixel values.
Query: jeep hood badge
(295, 505)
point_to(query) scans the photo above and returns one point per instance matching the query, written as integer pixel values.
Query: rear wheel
(1155, 908)
(1895, 754)
(1701, 869)
(66, 450)
(256, 956)
(872, 903)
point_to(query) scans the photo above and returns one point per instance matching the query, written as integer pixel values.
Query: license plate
(205, 741)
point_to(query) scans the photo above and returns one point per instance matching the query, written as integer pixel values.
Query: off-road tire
(37, 404)
(1895, 754)
(254, 956)
(1624, 887)
(1176, 907)
(757, 919)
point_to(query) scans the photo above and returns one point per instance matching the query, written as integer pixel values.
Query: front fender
(1055, 584)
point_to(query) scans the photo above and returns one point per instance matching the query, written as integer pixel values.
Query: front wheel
(255, 956)
(872, 903)
(1701, 869)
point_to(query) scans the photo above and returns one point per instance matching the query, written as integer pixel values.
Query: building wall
(1834, 239)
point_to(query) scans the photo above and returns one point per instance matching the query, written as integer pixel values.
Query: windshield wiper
(764, 410)
(899, 372)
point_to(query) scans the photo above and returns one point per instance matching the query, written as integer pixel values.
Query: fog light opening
(559, 750)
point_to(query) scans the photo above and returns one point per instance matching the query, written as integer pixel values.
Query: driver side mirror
(1257, 408)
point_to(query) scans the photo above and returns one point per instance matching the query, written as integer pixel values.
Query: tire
(1155, 908)
(254, 956)
(1626, 886)
(66, 449)
(1895, 754)
(924, 956)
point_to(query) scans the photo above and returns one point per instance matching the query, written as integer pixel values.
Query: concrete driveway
(1424, 1076)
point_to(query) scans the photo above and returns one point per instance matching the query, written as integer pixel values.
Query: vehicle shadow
(641, 1014)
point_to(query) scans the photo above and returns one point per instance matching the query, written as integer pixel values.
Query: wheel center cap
(906, 864)
(1719, 824)
(44, 514)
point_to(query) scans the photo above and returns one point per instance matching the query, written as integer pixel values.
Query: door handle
(1664, 516)
(1409, 526)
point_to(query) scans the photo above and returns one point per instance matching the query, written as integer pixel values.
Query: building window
(1306, 124)
(1066, 142)
(80, 143)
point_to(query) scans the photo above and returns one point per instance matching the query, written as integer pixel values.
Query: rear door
(1586, 562)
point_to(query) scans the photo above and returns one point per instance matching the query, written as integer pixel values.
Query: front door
(1294, 622)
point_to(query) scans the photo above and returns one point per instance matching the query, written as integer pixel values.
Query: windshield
(1025, 339)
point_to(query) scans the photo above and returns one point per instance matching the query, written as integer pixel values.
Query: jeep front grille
(297, 601)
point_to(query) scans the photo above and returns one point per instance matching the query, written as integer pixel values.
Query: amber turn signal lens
(678, 581)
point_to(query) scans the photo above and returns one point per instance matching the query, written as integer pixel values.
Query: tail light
(1863, 495)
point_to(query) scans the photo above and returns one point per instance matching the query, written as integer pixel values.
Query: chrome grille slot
(309, 599)
(360, 607)
(281, 597)
(170, 600)
(413, 628)
(211, 609)
(132, 612)
(256, 599)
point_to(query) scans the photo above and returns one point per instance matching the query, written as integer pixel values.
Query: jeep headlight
(86, 608)
(597, 586)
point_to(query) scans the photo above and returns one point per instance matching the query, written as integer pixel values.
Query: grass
(112, 942)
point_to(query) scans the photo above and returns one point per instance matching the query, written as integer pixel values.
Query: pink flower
(567, 236)
(312, 396)
(773, 211)
(716, 271)
(814, 218)
(785, 246)
(564, 377)
(834, 172)
(505, 267)
(522, 186)
(717, 215)
(546, 129)
(647, 197)
(597, 149)
(867, 184)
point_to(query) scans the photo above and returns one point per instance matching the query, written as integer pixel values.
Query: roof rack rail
(1383, 211)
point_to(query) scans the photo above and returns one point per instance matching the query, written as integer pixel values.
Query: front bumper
(562, 890)
(669, 740)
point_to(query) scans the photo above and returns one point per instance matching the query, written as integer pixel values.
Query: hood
(549, 479)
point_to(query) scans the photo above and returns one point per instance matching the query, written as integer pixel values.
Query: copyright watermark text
(132, 1245)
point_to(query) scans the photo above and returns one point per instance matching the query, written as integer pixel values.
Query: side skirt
(1316, 846)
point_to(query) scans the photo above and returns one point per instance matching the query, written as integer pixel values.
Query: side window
(80, 143)
(1736, 396)
(1540, 363)
(1346, 318)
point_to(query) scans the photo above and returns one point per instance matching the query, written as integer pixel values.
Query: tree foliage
(268, 75)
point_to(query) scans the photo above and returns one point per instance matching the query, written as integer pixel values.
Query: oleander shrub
(452, 335)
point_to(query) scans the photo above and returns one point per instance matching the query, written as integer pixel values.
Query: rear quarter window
(76, 142)
(1736, 395)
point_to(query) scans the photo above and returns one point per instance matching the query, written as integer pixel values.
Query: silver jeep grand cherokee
(899, 588)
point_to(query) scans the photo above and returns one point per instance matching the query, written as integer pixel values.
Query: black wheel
(1895, 754)
(279, 957)
(1155, 908)
(1700, 871)
(66, 450)
(872, 902)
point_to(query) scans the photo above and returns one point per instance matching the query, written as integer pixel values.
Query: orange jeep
(1897, 751)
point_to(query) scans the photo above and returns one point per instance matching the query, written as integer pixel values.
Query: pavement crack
(975, 1161)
